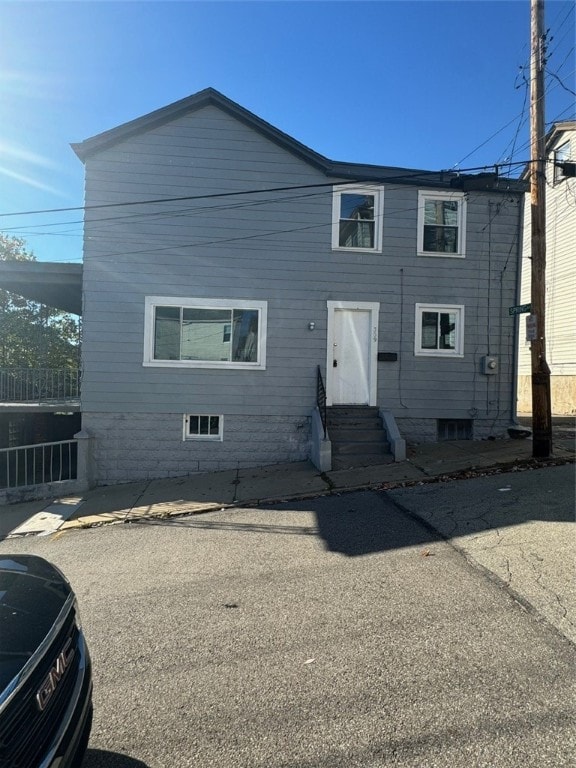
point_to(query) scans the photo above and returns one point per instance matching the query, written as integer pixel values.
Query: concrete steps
(358, 436)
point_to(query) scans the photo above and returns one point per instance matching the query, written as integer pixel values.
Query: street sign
(519, 309)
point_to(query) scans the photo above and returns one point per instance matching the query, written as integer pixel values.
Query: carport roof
(51, 283)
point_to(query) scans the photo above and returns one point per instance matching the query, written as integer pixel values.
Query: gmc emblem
(56, 674)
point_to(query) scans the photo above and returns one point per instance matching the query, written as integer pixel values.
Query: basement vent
(454, 429)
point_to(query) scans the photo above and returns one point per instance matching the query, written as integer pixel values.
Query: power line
(552, 74)
(201, 197)
(559, 28)
(379, 180)
(174, 212)
(191, 210)
(270, 233)
(521, 121)
(549, 125)
(523, 67)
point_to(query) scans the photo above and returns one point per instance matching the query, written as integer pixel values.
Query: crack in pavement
(529, 559)
(508, 571)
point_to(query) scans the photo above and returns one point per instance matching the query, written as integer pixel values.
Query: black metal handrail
(321, 399)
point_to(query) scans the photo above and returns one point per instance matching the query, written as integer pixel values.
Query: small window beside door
(439, 330)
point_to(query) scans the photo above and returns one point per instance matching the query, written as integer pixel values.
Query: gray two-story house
(235, 282)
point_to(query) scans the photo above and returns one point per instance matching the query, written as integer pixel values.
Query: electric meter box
(489, 365)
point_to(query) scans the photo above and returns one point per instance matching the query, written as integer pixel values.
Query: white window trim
(459, 350)
(151, 302)
(186, 436)
(362, 189)
(459, 197)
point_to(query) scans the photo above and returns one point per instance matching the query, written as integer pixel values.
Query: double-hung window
(439, 330)
(441, 224)
(205, 333)
(357, 218)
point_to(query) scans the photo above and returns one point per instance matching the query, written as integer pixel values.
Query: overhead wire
(411, 176)
(189, 211)
(196, 210)
(549, 124)
(559, 28)
(553, 75)
(521, 122)
(176, 246)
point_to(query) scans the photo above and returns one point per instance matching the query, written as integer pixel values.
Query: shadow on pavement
(362, 523)
(204, 524)
(354, 524)
(99, 758)
(495, 502)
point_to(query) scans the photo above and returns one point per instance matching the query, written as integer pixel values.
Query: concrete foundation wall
(141, 446)
(426, 430)
(563, 389)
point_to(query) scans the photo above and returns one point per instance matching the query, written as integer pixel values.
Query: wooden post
(541, 400)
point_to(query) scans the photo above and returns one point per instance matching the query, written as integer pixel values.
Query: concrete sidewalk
(211, 491)
(206, 492)
(552, 594)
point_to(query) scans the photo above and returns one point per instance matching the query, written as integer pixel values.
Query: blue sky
(430, 84)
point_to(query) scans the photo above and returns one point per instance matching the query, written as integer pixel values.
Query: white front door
(352, 352)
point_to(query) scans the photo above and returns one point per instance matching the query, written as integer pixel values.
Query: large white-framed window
(441, 224)
(205, 333)
(357, 216)
(203, 427)
(439, 330)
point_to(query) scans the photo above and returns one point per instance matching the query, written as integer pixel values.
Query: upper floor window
(561, 155)
(204, 333)
(439, 330)
(441, 223)
(357, 218)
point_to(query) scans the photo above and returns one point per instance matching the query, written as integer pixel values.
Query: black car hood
(32, 595)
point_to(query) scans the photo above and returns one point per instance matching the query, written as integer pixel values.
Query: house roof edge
(353, 172)
(204, 98)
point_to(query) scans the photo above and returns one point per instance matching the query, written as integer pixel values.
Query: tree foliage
(33, 335)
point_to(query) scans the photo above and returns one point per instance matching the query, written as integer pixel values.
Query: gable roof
(207, 97)
(556, 132)
(342, 170)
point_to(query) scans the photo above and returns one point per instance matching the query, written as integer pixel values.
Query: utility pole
(541, 397)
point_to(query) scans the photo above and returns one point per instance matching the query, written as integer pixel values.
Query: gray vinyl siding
(276, 247)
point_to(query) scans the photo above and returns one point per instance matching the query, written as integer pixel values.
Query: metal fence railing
(39, 385)
(38, 464)
(321, 399)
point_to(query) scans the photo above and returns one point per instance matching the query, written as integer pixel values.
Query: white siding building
(560, 277)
